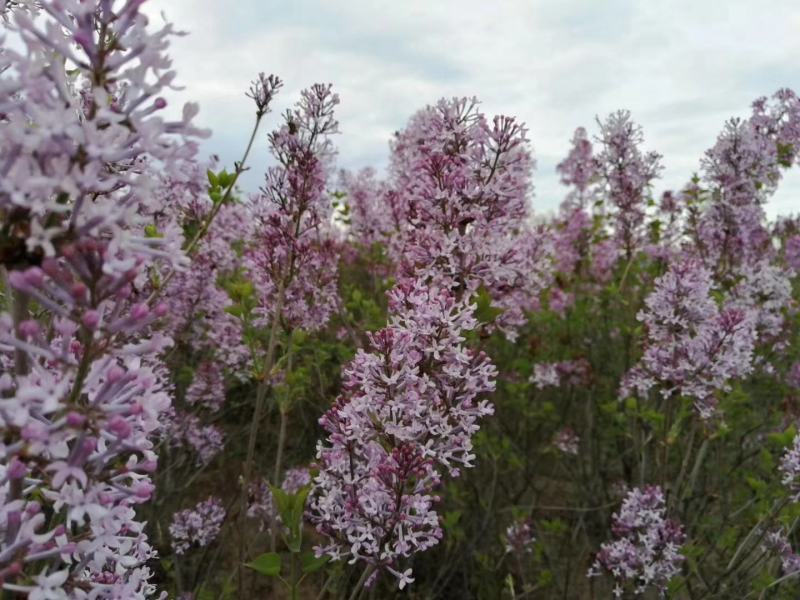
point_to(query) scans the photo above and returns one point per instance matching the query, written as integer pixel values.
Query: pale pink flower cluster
(565, 372)
(197, 527)
(187, 431)
(292, 255)
(408, 412)
(693, 348)
(519, 538)
(567, 441)
(790, 469)
(777, 543)
(458, 193)
(627, 176)
(646, 551)
(208, 387)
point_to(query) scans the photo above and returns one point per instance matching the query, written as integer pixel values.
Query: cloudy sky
(681, 67)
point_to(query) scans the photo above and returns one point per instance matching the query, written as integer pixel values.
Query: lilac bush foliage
(645, 553)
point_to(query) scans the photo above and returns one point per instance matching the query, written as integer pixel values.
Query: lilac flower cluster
(458, 193)
(777, 543)
(693, 348)
(291, 258)
(187, 431)
(555, 374)
(579, 169)
(790, 469)
(198, 526)
(627, 175)
(82, 159)
(408, 412)
(743, 169)
(519, 537)
(208, 387)
(646, 551)
(567, 441)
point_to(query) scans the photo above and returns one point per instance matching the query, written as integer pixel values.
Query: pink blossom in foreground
(82, 161)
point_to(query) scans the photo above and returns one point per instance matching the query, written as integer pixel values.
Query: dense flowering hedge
(352, 385)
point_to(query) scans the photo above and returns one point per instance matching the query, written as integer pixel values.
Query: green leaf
(291, 508)
(268, 564)
(312, 563)
(151, 231)
(225, 179)
(212, 178)
(484, 311)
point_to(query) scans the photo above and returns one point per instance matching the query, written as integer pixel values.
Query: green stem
(361, 581)
(201, 233)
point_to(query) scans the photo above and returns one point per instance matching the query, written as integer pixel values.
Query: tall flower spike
(627, 174)
(407, 415)
(459, 190)
(580, 167)
(291, 257)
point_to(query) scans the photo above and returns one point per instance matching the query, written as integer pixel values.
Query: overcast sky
(681, 67)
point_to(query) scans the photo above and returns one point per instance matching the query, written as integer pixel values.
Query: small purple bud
(114, 374)
(16, 469)
(143, 489)
(119, 427)
(28, 329)
(34, 276)
(79, 291)
(75, 420)
(91, 319)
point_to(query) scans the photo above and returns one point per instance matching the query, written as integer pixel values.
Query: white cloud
(682, 67)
